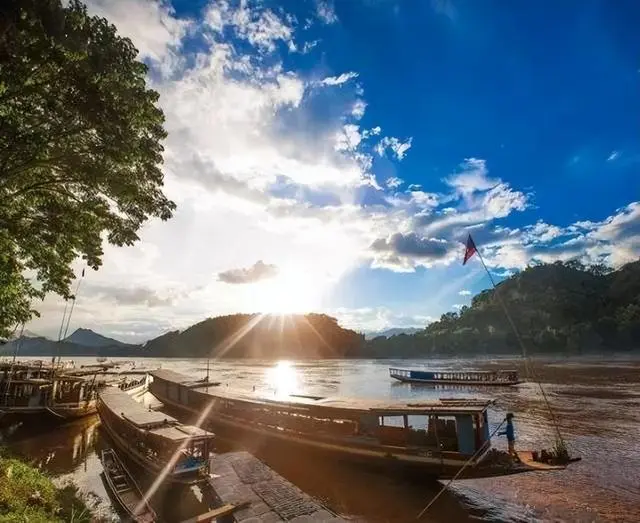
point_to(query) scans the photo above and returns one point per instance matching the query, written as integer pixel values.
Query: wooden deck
(239, 477)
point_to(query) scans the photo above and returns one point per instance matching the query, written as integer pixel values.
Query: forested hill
(260, 336)
(557, 308)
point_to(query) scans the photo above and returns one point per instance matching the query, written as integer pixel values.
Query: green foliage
(556, 307)
(80, 148)
(26, 494)
(260, 336)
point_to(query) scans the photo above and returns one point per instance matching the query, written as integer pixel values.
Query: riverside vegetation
(26, 494)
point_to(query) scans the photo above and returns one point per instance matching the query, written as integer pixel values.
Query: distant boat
(153, 439)
(450, 377)
(125, 490)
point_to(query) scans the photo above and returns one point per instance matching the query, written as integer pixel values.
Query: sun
(289, 293)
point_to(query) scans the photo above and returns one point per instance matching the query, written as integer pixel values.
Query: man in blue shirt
(511, 436)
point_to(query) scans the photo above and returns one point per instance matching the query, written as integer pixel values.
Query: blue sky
(333, 156)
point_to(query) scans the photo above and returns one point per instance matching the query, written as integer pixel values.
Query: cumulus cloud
(258, 271)
(339, 80)
(151, 25)
(471, 177)
(326, 11)
(398, 148)
(394, 182)
(358, 109)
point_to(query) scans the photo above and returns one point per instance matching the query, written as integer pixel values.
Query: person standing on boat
(511, 436)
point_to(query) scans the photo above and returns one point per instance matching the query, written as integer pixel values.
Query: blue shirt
(510, 432)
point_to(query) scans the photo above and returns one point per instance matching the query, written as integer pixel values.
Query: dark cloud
(258, 271)
(413, 246)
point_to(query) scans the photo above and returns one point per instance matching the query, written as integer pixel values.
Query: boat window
(392, 421)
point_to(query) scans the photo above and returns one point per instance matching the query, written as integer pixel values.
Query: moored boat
(156, 442)
(27, 389)
(436, 437)
(124, 489)
(453, 377)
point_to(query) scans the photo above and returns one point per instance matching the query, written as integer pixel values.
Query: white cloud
(150, 24)
(339, 80)
(358, 109)
(326, 11)
(613, 156)
(464, 292)
(394, 182)
(372, 319)
(471, 178)
(309, 46)
(398, 147)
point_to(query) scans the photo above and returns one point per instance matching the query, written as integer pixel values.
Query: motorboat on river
(457, 377)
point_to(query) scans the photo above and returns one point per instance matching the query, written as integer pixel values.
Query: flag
(470, 250)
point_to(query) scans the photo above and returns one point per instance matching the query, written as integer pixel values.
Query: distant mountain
(88, 338)
(83, 342)
(260, 336)
(395, 331)
(557, 308)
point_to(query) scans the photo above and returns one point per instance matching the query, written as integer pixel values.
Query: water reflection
(282, 378)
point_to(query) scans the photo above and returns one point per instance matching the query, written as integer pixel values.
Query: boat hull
(127, 499)
(151, 467)
(456, 382)
(266, 442)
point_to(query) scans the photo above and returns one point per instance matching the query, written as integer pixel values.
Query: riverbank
(27, 494)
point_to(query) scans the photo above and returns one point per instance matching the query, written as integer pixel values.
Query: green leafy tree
(80, 148)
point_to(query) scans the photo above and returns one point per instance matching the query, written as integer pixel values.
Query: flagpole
(519, 338)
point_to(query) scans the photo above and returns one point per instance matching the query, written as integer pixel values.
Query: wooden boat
(435, 437)
(478, 377)
(154, 441)
(27, 389)
(124, 489)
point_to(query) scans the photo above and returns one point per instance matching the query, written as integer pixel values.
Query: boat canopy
(338, 405)
(152, 422)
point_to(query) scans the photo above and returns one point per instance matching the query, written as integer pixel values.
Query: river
(596, 403)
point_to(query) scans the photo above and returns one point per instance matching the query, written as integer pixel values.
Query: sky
(333, 156)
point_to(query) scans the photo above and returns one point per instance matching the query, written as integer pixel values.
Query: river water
(595, 401)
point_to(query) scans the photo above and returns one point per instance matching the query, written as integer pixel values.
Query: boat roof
(176, 377)
(340, 405)
(157, 423)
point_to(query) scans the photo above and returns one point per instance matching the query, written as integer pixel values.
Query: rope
(527, 368)
(446, 486)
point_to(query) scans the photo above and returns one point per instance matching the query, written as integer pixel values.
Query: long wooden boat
(452, 377)
(124, 489)
(156, 442)
(434, 436)
(26, 390)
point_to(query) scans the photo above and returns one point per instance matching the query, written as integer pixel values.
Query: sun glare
(282, 378)
(289, 293)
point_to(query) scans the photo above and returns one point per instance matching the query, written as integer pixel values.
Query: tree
(80, 148)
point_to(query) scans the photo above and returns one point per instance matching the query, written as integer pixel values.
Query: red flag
(470, 250)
